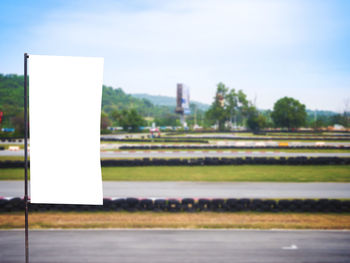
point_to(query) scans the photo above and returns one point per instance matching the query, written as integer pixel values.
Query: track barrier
(237, 146)
(189, 205)
(210, 161)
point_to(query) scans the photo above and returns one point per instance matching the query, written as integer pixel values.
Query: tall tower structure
(182, 102)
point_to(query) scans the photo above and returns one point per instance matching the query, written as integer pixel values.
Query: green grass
(244, 173)
(12, 174)
(12, 158)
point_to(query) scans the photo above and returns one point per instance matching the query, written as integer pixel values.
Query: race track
(174, 246)
(206, 189)
(197, 154)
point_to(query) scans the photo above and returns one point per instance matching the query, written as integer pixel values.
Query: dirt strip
(39, 220)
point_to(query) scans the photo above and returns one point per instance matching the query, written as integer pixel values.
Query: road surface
(196, 154)
(206, 189)
(220, 153)
(174, 246)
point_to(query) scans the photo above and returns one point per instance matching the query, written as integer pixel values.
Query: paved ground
(253, 144)
(165, 246)
(216, 142)
(202, 154)
(195, 154)
(207, 190)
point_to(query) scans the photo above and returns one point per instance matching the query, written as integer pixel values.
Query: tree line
(230, 109)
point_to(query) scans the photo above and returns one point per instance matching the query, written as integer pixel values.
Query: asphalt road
(195, 154)
(238, 144)
(174, 246)
(216, 142)
(203, 154)
(206, 190)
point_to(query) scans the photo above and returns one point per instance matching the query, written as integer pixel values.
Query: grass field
(244, 173)
(39, 220)
(252, 173)
(12, 158)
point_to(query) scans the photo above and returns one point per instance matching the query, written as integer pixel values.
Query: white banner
(64, 115)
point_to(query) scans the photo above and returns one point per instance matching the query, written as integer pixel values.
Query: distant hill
(11, 100)
(167, 101)
(320, 113)
(118, 99)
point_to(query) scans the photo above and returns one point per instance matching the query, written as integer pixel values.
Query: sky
(267, 48)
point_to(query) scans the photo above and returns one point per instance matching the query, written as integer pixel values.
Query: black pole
(26, 159)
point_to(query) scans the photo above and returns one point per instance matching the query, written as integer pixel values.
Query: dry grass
(176, 220)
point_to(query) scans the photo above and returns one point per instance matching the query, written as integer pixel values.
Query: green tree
(217, 113)
(256, 121)
(129, 120)
(288, 113)
(342, 119)
(135, 120)
(105, 122)
(168, 120)
(228, 104)
(232, 104)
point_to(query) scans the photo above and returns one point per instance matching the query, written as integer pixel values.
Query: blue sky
(267, 48)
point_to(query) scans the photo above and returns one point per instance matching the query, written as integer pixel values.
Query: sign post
(76, 177)
(26, 159)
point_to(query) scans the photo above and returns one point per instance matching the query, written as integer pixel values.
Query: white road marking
(291, 247)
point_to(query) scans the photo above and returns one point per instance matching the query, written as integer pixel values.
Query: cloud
(267, 48)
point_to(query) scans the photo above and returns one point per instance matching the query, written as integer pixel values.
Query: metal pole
(26, 159)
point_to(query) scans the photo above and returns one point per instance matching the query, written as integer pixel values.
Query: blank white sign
(64, 119)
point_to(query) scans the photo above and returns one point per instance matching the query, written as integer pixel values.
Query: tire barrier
(12, 164)
(209, 161)
(160, 205)
(265, 138)
(232, 147)
(173, 205)
(218, 205)
(146, 205)
(312, 133)
(204, 205)
(189, 205)
(131, 204)
(10, 139)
